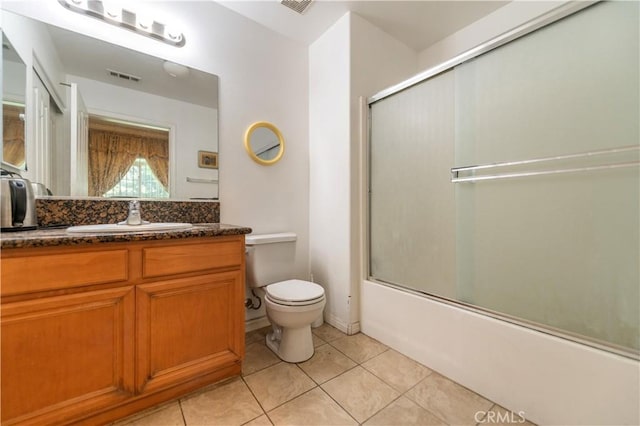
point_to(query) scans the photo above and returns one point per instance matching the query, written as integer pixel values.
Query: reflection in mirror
(117, 83)
(264, 143)
(14, 86)
(126, 160)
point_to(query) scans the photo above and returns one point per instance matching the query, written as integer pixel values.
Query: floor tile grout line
(460, 385)
(337, 402)
(485, 414)
(334, 377)
(184, 419)
(250, 420)
(368, 359)
(386, 382)
(334, 400)
(263, 368)
(318, 385)
(254, 396)
(383, 408)
(329, 343)
(401, 393)
(285, 402)
(420, 405)
(292, 399)
(297, 364)
(358, 364)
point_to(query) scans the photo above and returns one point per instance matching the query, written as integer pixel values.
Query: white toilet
(292, 305)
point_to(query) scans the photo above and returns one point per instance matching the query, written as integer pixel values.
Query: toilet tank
(270, 258)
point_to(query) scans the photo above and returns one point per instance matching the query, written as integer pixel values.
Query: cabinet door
(67, 355)
(188, 327)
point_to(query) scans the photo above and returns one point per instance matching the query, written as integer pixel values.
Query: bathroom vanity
(97, 327)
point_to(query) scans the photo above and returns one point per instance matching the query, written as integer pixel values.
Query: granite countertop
(47, 237)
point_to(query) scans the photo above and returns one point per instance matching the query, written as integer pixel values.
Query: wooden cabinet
(67, 353)
(161, 319)
(186, 327)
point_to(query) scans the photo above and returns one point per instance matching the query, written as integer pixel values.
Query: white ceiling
(418, 24)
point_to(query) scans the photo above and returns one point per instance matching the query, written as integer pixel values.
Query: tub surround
(53, 211)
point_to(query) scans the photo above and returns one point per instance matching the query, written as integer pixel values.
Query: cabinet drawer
(179, 259)
(26, 274)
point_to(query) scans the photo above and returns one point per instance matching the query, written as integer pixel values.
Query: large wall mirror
(14, 85)
(264, 143)
(111, 93)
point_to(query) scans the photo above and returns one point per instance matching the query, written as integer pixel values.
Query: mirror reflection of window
(127, 160)
(14, 86)
(139, 182)
(13, 134)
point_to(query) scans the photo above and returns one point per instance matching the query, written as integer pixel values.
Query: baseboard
(347, 328)
(353, 328)
(256, 323)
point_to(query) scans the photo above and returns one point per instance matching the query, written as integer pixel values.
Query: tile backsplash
(52, 211)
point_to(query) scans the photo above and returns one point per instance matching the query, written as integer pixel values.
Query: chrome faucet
(134, 218)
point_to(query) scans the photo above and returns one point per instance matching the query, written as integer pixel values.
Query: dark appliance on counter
(17, 203)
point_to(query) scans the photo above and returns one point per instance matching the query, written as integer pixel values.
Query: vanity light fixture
(116, 15)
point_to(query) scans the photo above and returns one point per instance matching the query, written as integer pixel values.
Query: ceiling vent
(297, 5)
(123, 75)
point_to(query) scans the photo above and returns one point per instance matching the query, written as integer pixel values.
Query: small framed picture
(207, 160)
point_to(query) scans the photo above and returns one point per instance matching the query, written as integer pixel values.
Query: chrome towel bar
(198, 180)
(456, 178)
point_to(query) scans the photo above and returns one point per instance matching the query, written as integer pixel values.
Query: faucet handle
(134, 205)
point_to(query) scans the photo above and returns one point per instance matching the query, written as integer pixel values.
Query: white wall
(263, 76)
(352, 59)
(492, 25)
(329, 169)
(552, 380)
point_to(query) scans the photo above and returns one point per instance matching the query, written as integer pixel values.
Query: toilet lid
(294, 291)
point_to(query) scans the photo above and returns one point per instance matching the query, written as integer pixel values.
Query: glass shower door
(539, 222)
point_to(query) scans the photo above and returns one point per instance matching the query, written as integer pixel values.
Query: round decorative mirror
(264, 143)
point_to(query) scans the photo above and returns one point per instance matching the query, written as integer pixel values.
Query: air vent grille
(297, 5)
(123, 75)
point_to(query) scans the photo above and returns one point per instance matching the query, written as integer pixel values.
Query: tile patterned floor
(350, 380)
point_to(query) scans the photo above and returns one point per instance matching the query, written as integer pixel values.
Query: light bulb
(145, 23)
(112, 10)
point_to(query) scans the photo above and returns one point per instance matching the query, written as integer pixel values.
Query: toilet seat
(295, 293)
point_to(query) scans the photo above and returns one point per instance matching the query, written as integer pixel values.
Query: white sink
(115, 228)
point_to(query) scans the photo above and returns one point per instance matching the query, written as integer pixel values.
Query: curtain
(13, 135)
(113, 148)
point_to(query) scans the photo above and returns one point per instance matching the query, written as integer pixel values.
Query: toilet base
(291, 344)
